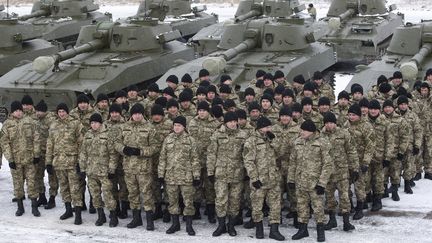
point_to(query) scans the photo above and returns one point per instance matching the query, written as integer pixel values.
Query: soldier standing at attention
(21, 147)
(179, 168)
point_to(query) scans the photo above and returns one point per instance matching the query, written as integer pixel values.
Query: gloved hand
(400, 156)
(319, 190)
(77, 168)
(354, 176)
(82, 175)
(36, 160)
(129, 151)
(270, 135)
(415, 151)
(50, 169)
(364, 168)
(386, 163)
(291, 185)
(161, 180)
(111, 176)
(246, 178)
(211, 178)
(12, 165)
(196, 182)
(257, 184)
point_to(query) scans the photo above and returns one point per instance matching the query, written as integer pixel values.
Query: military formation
(279, 147)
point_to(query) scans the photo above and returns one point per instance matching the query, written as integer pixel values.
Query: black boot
(275, 234)
(407, 187)
(221, 229)
(149, 219)
(34, 205)
(68, 213)
(352, 206)
(158, 211)
(347, 226)
(332, 223)
(249, 225)
(428, 176)
(113, 219)
(136, 219)
(175, 224)
(189, 228)
(320, 233)
(239, 218)
(123, 210)
(20, 210)
(290, 215)
(231, 224)
(248, 212)
(259, 230)
(42, 200)
(78, 219)
(92, 209)
(197, 214)
(51, 203)
(295, 220)
(369, 198)
(166, 217)
(386, 191)
(417, 177)
(376, 204)
(358, 211)
(101, 217)
(301, 233)
(211, 213)
(412, 183)
(84, 207)
(394, 191)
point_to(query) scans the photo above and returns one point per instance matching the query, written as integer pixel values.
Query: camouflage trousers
(71, 187)
(427, 158)
(246, 201)
(342, 186)
(228, 198)
(306, 198)
(272, 197)
(394, 171)
(375, 178)
(52, 179)
(360, 187)
(119, 188)
(206, 190)
(99, 185)
(291, 196)
(159, 194)
(23, 173)
(187, 193)
(140, 184)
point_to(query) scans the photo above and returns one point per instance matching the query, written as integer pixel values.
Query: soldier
(341, 108)
(102, 106)
(187, 108)
(172, 107)
(121, 99)
(136, 144)
(211, 93)
(259, 75)
(425, 114)
(364, 107)
(201, 94)
(179, 168)
(243, 123)
(203, 75)
(309, 174)
(254, 110)
(323, 105)
(288, 98)
(372, 94)
(201, 127)
(297, 113)
(346, 163)
(186, 83)
(312, 11)
(172, 82)
(267, 108)
(133, 97)
(64, 139)
(230, 105)
(225, 168)
(309, 114)
(397, 81)
(310, 91)
(28, 108)
(324, 88)
(260, 152)
(298, 82)
(21, 147)
(356, 93)
(97, 160)
(153, 93)
(279, 79)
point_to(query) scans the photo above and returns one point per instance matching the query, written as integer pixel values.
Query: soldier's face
(211, 95)
(201, 96)
(132, 94)
(305, 134)
(429, 78)
(40, 114)
(296, 114)
(27, 107)
(205, 78)
(287, 100)
(343, 102)
(227, 82)
(62, 114)
(307, 108)
(297, 85)
(353, 117)
(242, 121)
(137, 117)
(265, 129)
(173, 110)
(280, 80)
(231, 125)
(95, 125)
(233, 109)
(374, 112)
(121, 100)
(115, 116)
(224, 95)
(397, 81)
(388, 110)
(265, 104)
(324, 108)
(202, 114)
(18, 114)
(153, 94)
(424, 91)
(278, 98)
(157, 118)
(364, 110)
(178, 128)
(268, 82)
(103, 104)
(186, 84)
(185, 104)
(357, 96)
(307, 93)
(403, 107)
(172, 85)
(285, 119)
(318, 82)
(249, 98)
(254, 113)
(83, 106)
(330, 126)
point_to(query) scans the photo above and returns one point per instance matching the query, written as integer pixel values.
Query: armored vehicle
(107, 57)
(360, 30)
(409, 52)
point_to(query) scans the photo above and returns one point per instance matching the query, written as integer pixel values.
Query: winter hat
(267, 97)
(153, 87)
(299, 79)
(186, 78)
(161, 101)
(224, 88)
(132, 87)
(62, 106)
(224, 78)
(306, 101)
(157, 110)
(355, 109)
(323, 101)
(309, 86)
(402, 100)
(279, 89)
(268, 76)
(364, 103)
(229, 103)
(308, 125)
(185, 96)
(329, 117)
(201, 90)
(217, 111)
(260, 73)
(172, 102)
(203, 72)
(27, 100)
(254, 106)
(288, 92)
(397, 74)
(230, 116)
(296, 107)
(96, 117)
(285, 111)
(137, 108)
(82, 98)
(263, 122)
(387, 103)
(203, 106)
(249, 91)
(180, 120)
(169, 91)
(384, 88)
(381, 79)
(16, 105)
(241, 114)
(101, 97)
(173, 79)
(343, 94)
(356, 88)
(115, 108)
(41, 106)
(278, 74)
(120, 93)
(374, 104)
(317, 75)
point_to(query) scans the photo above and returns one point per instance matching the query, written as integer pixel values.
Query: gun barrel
(38, 13)
(250, 14)
(243, 46)
(410, 69)
(347, 14)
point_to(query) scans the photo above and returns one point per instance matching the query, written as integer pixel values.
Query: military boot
(290, 215)
(166, 218)
(42, 200)
(211, 213)
(78, 219)
(175, 224)
(407, 187)
(275, 234)
(51, 203)
(189, 228)
(149, 219)
(113, 219)
(259, 230)
(20, 210)
(320, 233)
(386, 191)
(347, 226)
(68, 213)
(417, 177)
(428, 176)
(16, 199)
(352, 206)
(368, 198)
(394, 191)
(123, 210)
(412, 183)
(239, 218)
(92, 209)
(34, 205)
(221, 229)
(231, 224)
(332, 223)
(295, 220)
(249, 225)
(301, 233)
(358, 211)
(136, 220)
(197, 214)
(158, 211)
(248, 212)
(84, 206)
(376, 204)
(101, 217)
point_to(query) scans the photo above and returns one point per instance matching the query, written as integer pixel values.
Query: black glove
(36, 160)
(12, 165)
(415, 150)
(257, 184)
(354, 176)
(386, 163)
(400, 156)
(83, 175)
(77, 169)
(161, 180)
(270, 135)
(364, 168)
(211, 178)
(319, 190)
(246, 178)
(111, 176)
(291, 185)
(49, 169)
(129, 151)
(196, 183)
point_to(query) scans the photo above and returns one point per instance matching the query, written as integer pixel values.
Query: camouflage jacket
(424, 113)
(314, 116)
(384, 143)
(82, 116)
(326, 90)
(43, 125)
(341, 113)
(103, 112)
(399, 133)
(114, 134)
(189, 113)
(248, 128)
(272, 114)
(286, 134)
(201, 130)
(416, 130)
(362, 133)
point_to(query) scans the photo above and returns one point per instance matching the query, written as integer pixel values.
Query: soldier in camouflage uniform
(187, 108)
(254, 110)
(64, 139)
(309, 114)
(172, 107)
(260, 152)
(225, 168)
(102, 106)
(324, 88)
(136, 144)
(267, 108)
(341, 108)
(179, 168)
(309, 174)
(153, 93)
(133, 96)
(425, 114)
(346, 163)
(97, 160)
(21, 147)
(28, 108)
(201, 127)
